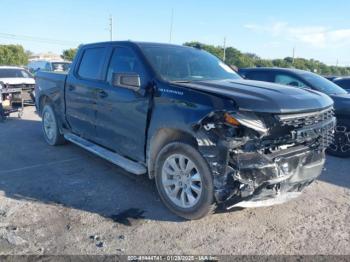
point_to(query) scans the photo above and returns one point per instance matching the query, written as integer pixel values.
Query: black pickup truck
(184, 118)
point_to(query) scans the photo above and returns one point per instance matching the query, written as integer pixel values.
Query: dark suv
(307, 80)
(343, 82)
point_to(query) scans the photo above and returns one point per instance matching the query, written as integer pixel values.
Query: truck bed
(50, 79)
(52, 85)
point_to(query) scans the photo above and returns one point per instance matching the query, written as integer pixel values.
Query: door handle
(102, 93)
(71, 87)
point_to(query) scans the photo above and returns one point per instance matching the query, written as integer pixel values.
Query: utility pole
(337, 62)
(224, 58)
(111, 27)
(171, 25)
(293, 55)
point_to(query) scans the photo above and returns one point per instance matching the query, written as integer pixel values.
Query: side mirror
(128, 80)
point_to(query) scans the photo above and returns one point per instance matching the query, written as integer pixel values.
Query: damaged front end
(260, 159)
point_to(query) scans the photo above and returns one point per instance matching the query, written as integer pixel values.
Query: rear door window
(288, 80)
(91, 64)
(259, 76)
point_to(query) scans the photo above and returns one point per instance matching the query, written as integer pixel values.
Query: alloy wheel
(182, 181)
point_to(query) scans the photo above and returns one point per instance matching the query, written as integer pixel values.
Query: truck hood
(263, 96)
(17, 81)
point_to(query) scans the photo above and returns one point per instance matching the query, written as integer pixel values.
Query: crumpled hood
(263, 96)
(17, 81)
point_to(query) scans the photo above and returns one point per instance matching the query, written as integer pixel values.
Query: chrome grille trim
(306, 119)
(317, 120)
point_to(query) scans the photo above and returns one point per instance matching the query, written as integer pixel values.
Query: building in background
(45, 56)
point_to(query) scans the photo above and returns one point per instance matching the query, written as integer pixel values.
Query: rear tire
(50, 128)
(341, 145)
(184, 181)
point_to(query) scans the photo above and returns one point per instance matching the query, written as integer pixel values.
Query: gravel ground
(64, 200)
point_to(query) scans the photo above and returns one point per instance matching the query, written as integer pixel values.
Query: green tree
(69, 54)
(253, 56)
(214, 50)
(280, 63)
(263, 63)
(13, 55)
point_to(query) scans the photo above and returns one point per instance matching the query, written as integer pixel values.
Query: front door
(121, 118)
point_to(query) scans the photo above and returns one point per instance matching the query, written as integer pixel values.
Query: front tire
(341, 145)
(184, 181)
(50, 128)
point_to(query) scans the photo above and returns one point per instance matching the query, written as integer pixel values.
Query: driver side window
(289, 81)
(124, 60)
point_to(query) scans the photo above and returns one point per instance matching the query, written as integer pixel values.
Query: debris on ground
(125, 217)
(99, 244)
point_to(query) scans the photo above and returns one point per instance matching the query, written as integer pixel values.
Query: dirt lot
(63, 200)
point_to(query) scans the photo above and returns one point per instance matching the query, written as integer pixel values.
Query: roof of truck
(279, 69)
(139, 43)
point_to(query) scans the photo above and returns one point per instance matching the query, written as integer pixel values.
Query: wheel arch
(162, 137)
(43, 100)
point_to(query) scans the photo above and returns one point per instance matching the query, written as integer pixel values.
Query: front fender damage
(262, 167)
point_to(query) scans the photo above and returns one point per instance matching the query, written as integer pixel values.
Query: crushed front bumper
(266, 180)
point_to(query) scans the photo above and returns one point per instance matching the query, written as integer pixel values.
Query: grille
(317, 126)
(22, 86)
(306, 119)
(327, 138)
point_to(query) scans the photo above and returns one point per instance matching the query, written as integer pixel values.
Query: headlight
(247, 119)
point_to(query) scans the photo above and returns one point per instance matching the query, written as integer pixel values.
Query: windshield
(14, 73)
(186, 64)
(60, 66)
(322, 84)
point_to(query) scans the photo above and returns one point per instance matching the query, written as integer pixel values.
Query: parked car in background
(330, 78)
(16, 77)
(343, 82)
(17, 87)
(307, 80)
(51, 66)
(184, 118)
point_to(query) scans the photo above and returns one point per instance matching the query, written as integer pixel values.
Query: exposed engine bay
(260, 159)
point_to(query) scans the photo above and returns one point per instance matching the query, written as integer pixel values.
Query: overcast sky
(270, 28)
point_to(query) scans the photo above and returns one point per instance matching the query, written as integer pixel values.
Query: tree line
(17, 55)
(238, 59)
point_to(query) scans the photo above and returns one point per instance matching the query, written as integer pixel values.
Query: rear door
(122, 112)
(81, 91)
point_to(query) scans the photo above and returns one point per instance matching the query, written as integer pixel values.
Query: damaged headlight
(246, 119)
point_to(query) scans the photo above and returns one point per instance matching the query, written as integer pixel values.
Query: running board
(127, 164)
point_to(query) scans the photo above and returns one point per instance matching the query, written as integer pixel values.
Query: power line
(38, 39)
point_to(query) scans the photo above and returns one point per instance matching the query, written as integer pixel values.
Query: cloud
(316, 36)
